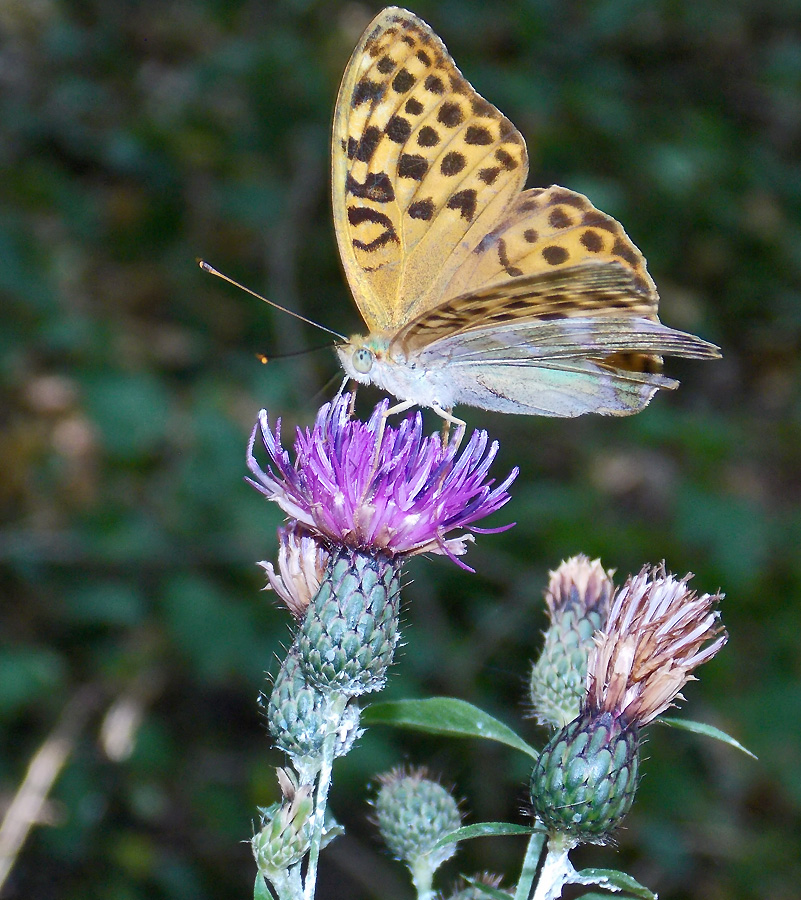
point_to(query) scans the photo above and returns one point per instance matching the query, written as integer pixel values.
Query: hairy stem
(321, 798)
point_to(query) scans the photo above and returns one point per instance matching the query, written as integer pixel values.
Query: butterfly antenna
(207, 267)
(265, 358)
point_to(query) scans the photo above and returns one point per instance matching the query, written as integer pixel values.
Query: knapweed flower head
(658, 631)
(301, 563)
(373, 487)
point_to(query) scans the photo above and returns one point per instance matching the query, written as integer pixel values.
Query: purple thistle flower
(402, 496)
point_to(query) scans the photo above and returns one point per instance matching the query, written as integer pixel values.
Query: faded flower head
(366, 487)
(658, 631)
(301, 563)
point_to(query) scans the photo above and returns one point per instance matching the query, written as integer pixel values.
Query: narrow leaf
(708, 731)
(486, 889)
(260, 889)
(613, 880)
(485, 829)
(445, 715)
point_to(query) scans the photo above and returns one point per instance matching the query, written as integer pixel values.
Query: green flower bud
(300, 718)
(285, 834)
(578, 598)
(413, 813)
(584, 781)
(350, 631)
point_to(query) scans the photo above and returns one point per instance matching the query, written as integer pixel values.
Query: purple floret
(403, 498)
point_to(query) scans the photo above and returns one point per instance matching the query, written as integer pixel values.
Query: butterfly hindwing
(588, 288)
(546, 229)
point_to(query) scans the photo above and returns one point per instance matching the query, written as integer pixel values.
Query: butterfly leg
(398, 408)
(352, 404)
(448, 420)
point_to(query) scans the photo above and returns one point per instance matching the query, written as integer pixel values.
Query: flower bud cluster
(656, 632)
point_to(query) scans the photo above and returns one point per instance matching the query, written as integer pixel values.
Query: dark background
(137, 136)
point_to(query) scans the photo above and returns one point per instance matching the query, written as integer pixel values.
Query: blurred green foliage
(137, 136)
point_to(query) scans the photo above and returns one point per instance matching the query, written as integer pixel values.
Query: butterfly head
(362, 357)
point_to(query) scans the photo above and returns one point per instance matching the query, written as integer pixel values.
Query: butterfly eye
(362, 360)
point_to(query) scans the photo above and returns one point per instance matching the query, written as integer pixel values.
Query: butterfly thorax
(369, 360)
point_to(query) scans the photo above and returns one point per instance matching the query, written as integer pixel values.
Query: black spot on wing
(554, 255)
(366, 91)
(452, 163)
(598, 219)
(410, 165)
(483, 108)
(376, 187)
(558, 218)
(367, 145)
(403, 81)
(465, 202)
(422, 209)
(592, 241)
(398, 129)
(624, 252)
(450, 114)
(427, 137)
(358, 215)
(506, 159)
(434, 84)
(562, 195)
(503, 258)
(477, 134)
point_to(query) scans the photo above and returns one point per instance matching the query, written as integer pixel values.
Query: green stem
(423, 879)
(557, 870)
(530, 863)
(286, 885)
(321, 799)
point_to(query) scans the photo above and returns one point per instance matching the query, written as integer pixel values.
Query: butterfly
(474, 290)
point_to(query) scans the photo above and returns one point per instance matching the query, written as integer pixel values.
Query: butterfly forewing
(423, 168)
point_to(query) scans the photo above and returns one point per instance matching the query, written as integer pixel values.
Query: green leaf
(486, 889)
(445, 715)
(260, 889)
(612, 880)
(486, 829)
(708, 731)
